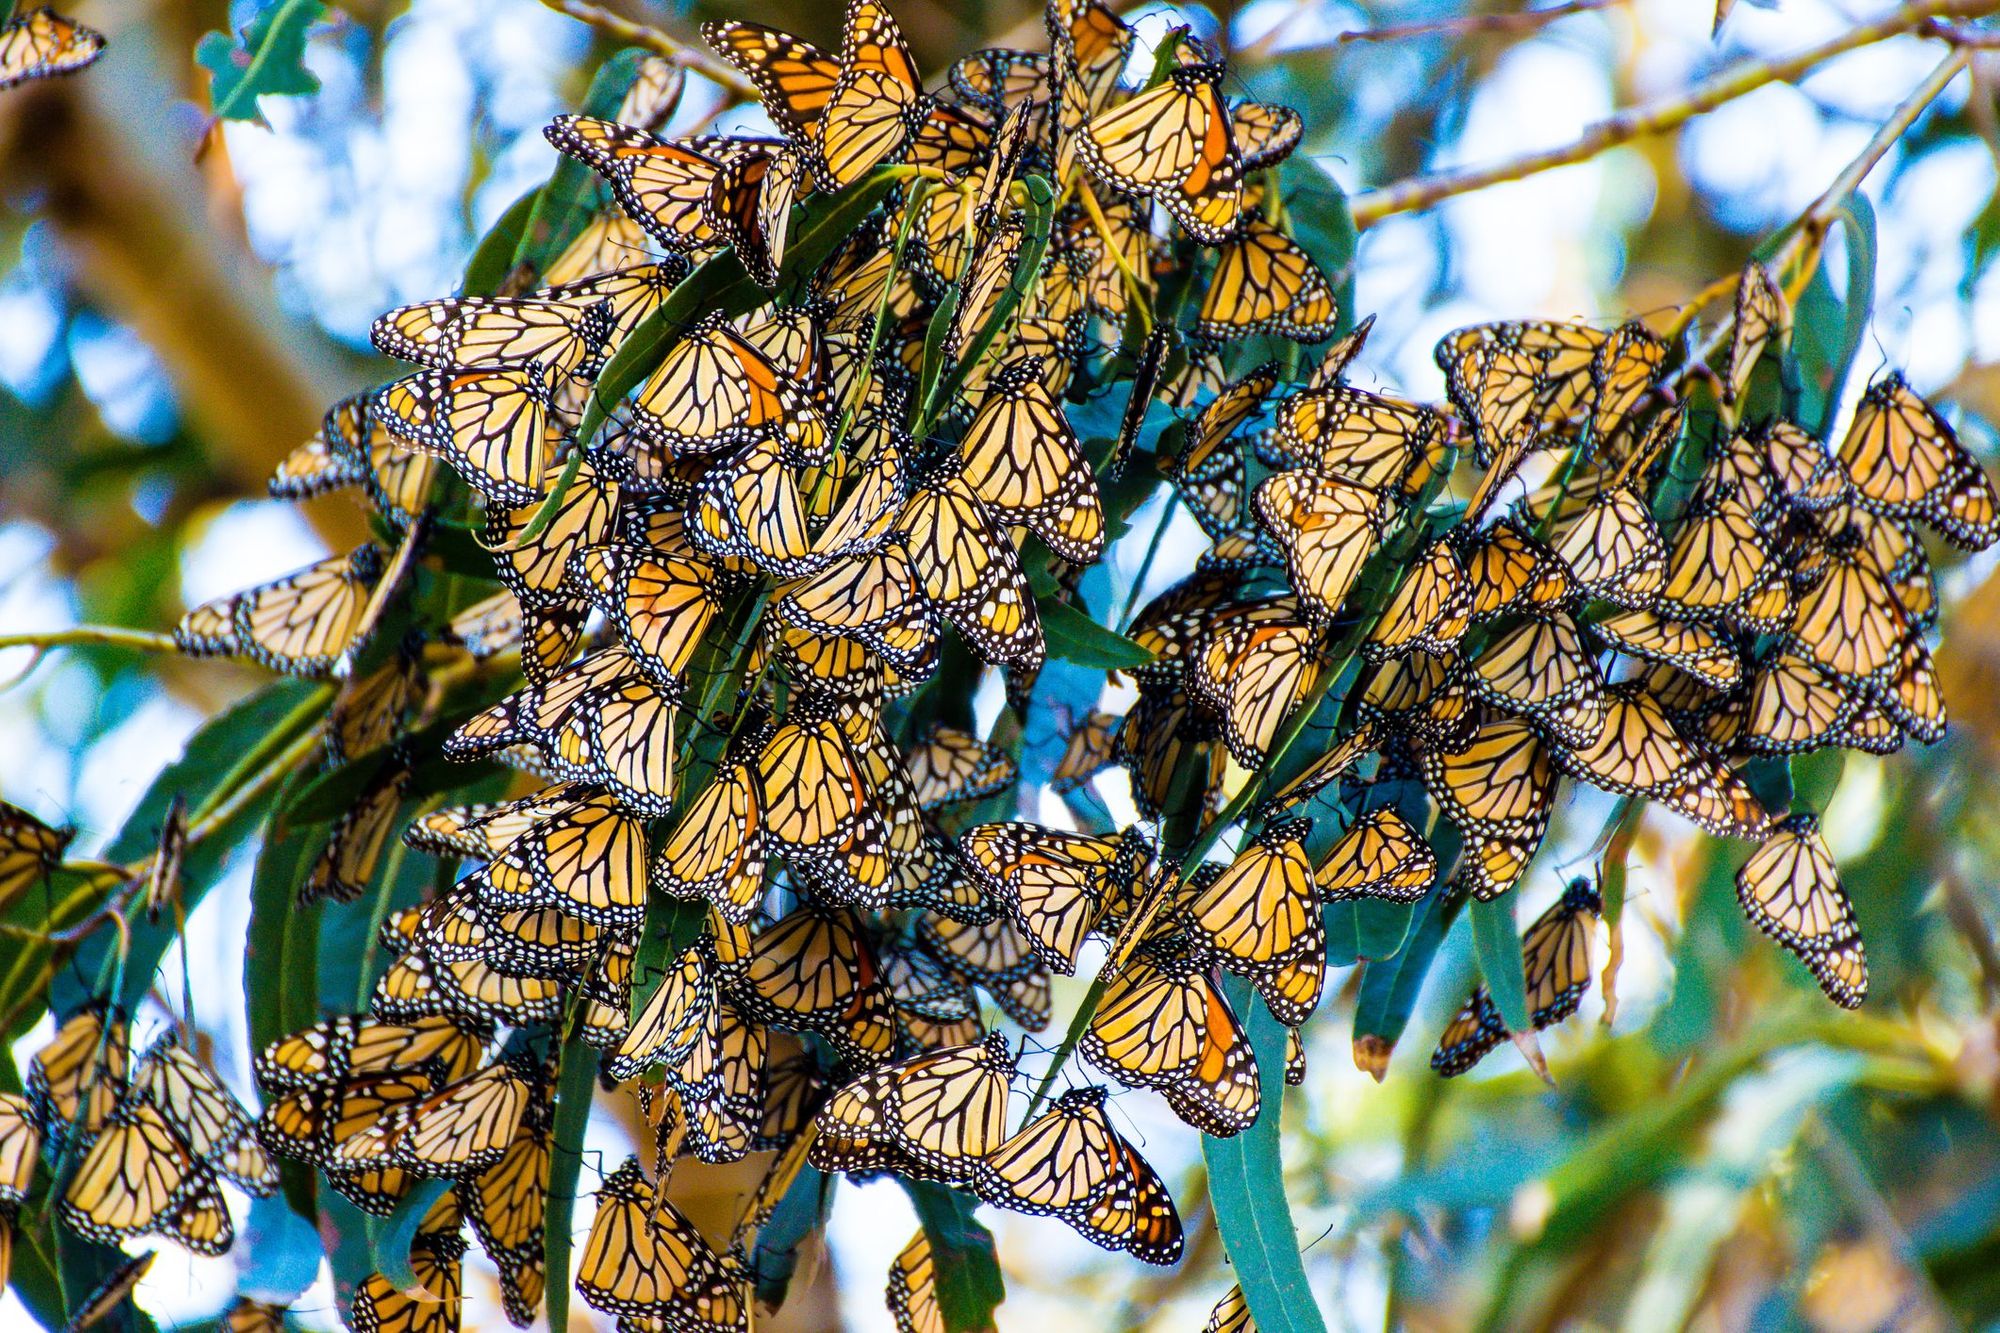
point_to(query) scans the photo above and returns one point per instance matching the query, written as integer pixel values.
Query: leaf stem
(1423, 192)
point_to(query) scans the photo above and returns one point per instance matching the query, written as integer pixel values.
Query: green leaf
(269, 60)
(492, 260)
(1324, 227)
(563, 206)
(1389, 988)
(966, 1266)
(1497, 941)
(223, 754)
(802, 1211)
(1074, 637)
(281, 953)
(279, 1251)
(575, 1085)
(1362, 928)
(1246, 1187)
(1826, 330)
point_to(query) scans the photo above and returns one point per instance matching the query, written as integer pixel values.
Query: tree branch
(621, 29)
(1423, 192)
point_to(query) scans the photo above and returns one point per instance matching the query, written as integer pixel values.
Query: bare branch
(1422, 192)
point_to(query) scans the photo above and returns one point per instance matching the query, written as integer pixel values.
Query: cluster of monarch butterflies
(138, 1148)
(753, 853)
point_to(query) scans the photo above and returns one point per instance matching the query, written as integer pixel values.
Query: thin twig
(622, 29)
(1422, 192)
(1816, 220)
(102, 636)
(1519, 22)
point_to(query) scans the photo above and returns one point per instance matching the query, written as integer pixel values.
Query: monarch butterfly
(1089, 749)
(874, 101)
(1230, 1315)
(300, 624)
(716, 851)
(507, 1203)
(113, 1291)
(371, 709)
(1381, 855)
(749, 509)
(1621, 373)
(672, 1022)
(137, 1176)
(724, 1112)
(1161, 1023)
(20, 1139)
(998, 958)
(1790, 888)
(1265, 134)
(335, 1051)
(587, 860)
(1053, 884)
(1914, 698)
(42, 43)
(1542, 669)
(1692, 647)
(1020, 456)
(1614, 549)
(749, 205)
(460, 333)
(794, 78)
(935, 1007)
(912, 1290)
(1508, 568)
(971, 574)
(494, 426)
(1264, 283)
(1904, 461)
(1419, 694)
(74, 1082)
(1237, 402)
(664, 186)
(1429, 610)
(1849, 619)
(1254, 675)
(346, 866)
(1761, 314)
(251, 1316)
(816, 971)
(1327, 528)
(811, 788)
(1321, 773)
(1719, 558)
(932, 1116)
(431, 1303)
(950, 767)
(1500, 783)
(1261, 913)
(29, 849)
(645, 1261)
(874, 600)
(457, 1131)
(205, 1115)
(1555, 956)
(537, 569)
(1071, 1163)
(660, 604)
(1175, 143)
(1358, 437)
(1794, 705)
(996, 80)
(716, 391)
(980, 291)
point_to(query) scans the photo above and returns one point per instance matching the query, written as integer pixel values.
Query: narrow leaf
(1496, 939)
(1246, 1187)
(965, 1264)
(1074, 637)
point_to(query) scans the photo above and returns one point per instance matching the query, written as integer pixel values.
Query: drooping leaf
(1827, 330)
(1246, 1187)
(1496, 939)
(965, 1264)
